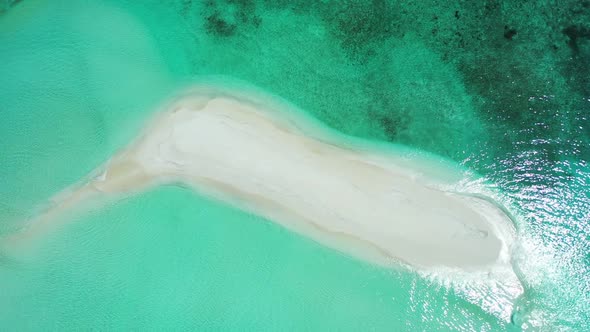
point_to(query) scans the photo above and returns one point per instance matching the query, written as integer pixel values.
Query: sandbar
(264, 156)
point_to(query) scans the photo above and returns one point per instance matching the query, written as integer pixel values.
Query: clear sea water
(501, 87)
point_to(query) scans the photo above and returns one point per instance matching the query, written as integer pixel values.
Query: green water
(500, 87)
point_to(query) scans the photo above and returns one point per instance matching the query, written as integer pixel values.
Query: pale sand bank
(264, 157)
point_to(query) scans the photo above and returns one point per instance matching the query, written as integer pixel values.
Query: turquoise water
(500, 87)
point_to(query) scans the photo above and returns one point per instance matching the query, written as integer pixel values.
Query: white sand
(384, 205)
(269, 159)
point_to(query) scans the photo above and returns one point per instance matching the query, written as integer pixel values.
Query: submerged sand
(268, 158)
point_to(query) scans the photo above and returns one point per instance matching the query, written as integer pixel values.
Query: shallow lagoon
(80, 80)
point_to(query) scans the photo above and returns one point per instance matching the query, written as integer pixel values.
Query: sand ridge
(259, 155)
